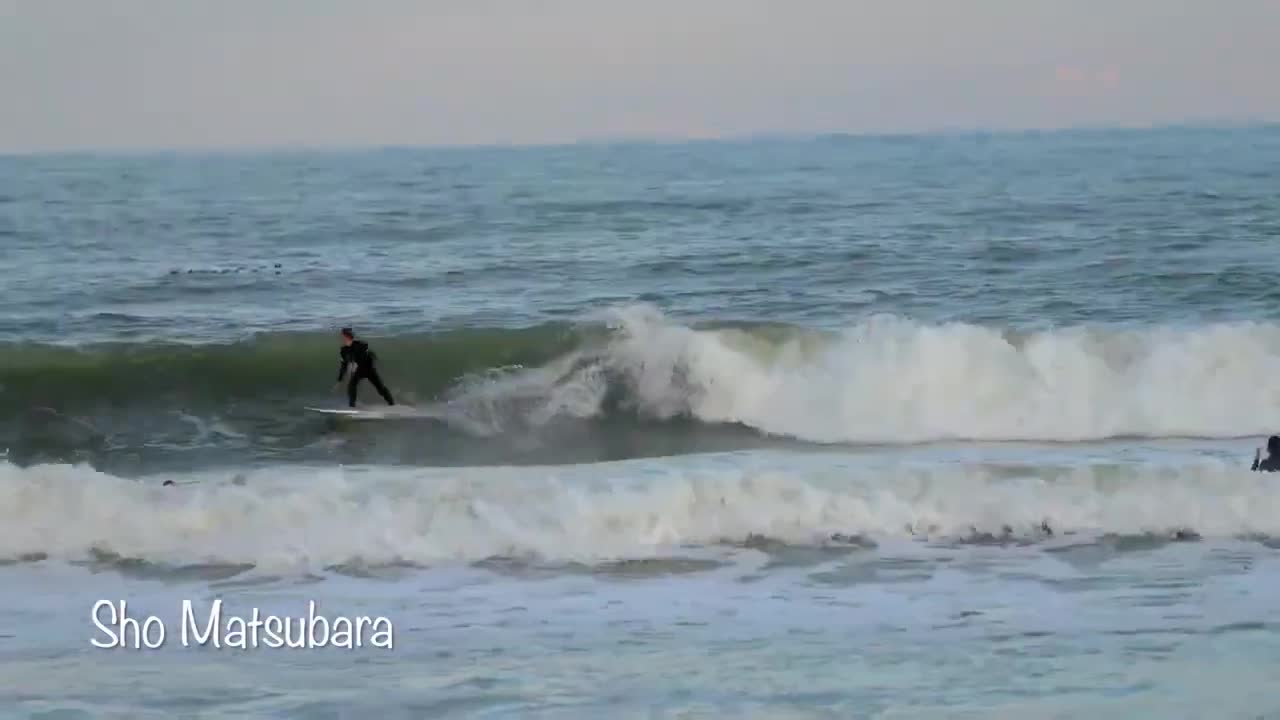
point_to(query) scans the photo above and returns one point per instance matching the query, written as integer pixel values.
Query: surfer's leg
(376, 381)
(351, 388)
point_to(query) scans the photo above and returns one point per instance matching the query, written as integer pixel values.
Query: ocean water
(893, 427)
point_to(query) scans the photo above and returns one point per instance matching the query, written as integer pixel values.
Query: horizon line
(268, 148)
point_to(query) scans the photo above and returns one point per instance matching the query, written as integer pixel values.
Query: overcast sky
(214, 73)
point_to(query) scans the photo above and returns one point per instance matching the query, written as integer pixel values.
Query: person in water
(357, 352)
(1272, 463)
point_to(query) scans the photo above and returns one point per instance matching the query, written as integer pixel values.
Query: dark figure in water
(1272, 463)
(357, 352)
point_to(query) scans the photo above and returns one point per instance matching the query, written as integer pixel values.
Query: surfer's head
(347, 336)
(1273, 445)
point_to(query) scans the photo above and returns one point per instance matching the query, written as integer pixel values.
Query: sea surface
(876, 426)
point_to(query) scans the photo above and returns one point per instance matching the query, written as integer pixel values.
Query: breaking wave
(299, 519)
(881, 380)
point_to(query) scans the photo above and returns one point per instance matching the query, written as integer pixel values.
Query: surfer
(1272, 463)
(357, 352)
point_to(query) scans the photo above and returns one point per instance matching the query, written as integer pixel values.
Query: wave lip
(290, 519)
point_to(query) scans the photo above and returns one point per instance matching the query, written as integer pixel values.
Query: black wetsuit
(358, 352)
(1270, 464)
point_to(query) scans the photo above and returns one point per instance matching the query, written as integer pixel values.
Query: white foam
(292, 518)
(889, 380)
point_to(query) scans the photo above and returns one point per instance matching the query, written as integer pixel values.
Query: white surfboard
(358, 414)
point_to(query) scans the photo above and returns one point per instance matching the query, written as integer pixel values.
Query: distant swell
(881, 380)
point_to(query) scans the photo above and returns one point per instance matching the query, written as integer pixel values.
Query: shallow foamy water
(1057, 581)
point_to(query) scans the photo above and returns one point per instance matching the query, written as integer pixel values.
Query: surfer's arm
(1257, 455)
(342, 366)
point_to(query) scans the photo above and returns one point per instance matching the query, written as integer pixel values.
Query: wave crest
(889, 380)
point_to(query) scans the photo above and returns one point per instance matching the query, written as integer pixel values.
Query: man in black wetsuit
(358, 352)
(1272, 463)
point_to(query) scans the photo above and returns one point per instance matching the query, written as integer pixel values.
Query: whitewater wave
(889, 380)
(881, 380)
(290, 519)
